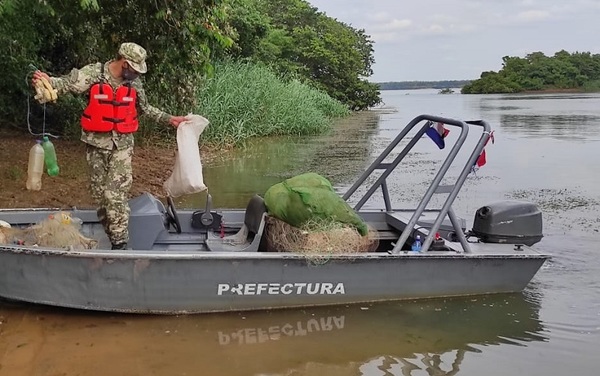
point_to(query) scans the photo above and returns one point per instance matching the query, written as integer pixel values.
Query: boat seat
(146, 221)
(249, 237)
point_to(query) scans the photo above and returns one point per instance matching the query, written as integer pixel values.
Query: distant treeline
(538, 72)
(409, 85)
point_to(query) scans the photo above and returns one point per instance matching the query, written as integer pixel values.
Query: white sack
(187, 173)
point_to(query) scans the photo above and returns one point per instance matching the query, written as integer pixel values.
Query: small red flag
(481, 160)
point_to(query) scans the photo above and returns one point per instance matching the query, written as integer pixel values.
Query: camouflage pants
(111, 177)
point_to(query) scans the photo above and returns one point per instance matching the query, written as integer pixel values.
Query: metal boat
(180, 261)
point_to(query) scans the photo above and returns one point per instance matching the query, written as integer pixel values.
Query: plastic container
(50, 157)
(416, 246)
(35, 167)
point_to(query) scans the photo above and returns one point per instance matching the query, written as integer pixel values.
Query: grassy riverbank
(152, 165)
(244, 101)
(241, 101)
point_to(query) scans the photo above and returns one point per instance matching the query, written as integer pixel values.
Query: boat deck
(191, 242)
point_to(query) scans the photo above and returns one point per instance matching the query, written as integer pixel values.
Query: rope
(27, 81)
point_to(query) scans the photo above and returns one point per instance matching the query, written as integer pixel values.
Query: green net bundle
(310, 197)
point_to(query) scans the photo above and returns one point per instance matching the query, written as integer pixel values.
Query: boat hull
(205, 260)
(198, 282)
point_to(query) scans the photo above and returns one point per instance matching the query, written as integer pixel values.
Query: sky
(431, 40)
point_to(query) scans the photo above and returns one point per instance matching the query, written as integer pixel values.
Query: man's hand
(175, 120)
(44, 92)
(38, 75)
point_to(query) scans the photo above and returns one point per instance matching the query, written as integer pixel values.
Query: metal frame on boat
(181, 264)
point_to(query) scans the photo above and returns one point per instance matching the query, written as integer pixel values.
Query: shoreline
(152, 165)
(552, 91)
(545, 91)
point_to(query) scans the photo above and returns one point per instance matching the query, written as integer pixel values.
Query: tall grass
(592, 86)
(246, 100)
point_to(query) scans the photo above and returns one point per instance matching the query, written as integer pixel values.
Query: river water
(545, 151)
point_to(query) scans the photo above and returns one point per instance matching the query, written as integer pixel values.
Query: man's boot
(119, 246)
(101, 212)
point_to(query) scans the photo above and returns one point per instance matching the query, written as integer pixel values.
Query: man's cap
(135, 55)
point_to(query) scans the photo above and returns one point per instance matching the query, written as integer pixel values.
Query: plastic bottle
(50, 157)
(416, 246)
(35, 167)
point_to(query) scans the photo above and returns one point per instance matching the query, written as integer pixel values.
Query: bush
(56, 36)
(245, 100)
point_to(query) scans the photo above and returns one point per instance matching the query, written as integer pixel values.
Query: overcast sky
(432, 40)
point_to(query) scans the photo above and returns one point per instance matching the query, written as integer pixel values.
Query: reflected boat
(181, 261)
(400, 338)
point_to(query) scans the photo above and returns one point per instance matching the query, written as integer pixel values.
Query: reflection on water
(404, 338)
(340, 155)
(547, 97)
(251, 335)
(575, 127)
(562, 116)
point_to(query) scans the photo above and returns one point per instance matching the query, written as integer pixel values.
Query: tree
(251, 26)
(305, 43)
(181, 36)
(538, 72)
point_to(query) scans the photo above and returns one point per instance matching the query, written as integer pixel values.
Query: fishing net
(4, 236)
(59, 230)
(310, 197)
(318, 239)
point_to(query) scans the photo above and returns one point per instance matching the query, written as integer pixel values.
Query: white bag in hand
(187, 173)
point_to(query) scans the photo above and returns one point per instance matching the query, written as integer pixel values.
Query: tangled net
(59, 230)
(318, 240)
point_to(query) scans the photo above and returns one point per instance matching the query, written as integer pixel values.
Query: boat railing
(434, 187)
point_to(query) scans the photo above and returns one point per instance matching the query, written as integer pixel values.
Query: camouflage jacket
(80, 80)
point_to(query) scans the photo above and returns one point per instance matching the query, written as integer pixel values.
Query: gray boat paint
(180, 275)
(194, 282)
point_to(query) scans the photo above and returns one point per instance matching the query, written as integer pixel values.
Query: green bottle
(50, 157)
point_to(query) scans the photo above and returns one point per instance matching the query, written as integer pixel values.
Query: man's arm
(77, 81)
(152, 112)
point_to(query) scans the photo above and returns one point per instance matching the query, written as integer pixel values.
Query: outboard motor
(511, 222)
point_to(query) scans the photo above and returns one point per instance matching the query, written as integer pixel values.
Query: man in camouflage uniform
(109, 154)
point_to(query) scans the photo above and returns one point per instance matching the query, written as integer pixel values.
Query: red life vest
(110, 110)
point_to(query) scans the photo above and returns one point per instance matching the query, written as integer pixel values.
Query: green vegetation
(310, 57)
(411, 85)
(56, 36)
(563, 71)
(14, 173)
(247, 100)
(297, 40)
